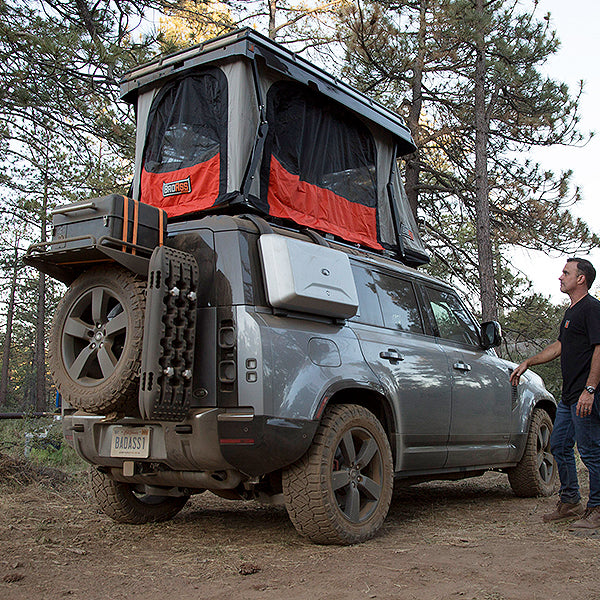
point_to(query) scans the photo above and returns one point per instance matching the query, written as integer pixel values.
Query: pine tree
(11, 266)
(477, 103)
(61, 129)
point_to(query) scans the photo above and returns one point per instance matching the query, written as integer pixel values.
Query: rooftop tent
(241, 123)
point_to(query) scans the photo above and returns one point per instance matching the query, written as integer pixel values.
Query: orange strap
(136, 217)
(125, 220)
(161, 221)
(136, 206)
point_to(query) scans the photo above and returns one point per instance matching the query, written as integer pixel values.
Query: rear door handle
(391, 355)
(462, 366)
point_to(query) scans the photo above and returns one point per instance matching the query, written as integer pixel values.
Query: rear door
(481, 391)
(409, 363)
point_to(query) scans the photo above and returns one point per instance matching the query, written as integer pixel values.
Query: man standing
(578, 413)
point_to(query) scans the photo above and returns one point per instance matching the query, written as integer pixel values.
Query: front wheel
(123, 503)
(536, 472)
(340, 491)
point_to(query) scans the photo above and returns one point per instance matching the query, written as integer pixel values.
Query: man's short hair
(586, 268)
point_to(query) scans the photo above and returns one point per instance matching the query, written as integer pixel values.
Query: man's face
(570, 278)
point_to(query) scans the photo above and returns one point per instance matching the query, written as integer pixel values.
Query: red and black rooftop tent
(241, 122)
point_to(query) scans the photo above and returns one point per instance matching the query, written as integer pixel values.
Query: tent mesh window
(319, 166)
(184, 162)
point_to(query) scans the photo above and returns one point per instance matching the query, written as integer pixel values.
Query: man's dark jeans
(568, 429)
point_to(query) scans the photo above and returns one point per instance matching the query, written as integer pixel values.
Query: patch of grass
(39, 441)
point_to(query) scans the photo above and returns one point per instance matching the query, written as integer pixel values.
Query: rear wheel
(96, 341)
(340, 491)
(123, 503)
(536, 474)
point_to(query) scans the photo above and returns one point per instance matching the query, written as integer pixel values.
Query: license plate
(130, 442)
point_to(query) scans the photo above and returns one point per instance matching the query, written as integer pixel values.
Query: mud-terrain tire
(340, 491)
(122, 503)
(96, 341)
(536, 474)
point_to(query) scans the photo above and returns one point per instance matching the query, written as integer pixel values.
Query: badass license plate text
(130, 442)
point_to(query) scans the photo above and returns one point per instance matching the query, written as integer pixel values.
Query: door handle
(462, 366)
(391, 355)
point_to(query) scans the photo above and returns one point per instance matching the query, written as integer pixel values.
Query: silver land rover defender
(250, 322)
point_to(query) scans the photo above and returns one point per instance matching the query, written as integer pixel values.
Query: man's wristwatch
(590, 389)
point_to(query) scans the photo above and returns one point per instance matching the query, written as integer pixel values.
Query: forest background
(467, 75)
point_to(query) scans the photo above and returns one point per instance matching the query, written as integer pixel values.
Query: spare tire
(96, 341)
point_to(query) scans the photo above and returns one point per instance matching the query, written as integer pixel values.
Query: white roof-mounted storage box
(305, 277)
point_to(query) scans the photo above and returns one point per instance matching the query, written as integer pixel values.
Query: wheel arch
(369, 398)
(525, 415)
(545, 404)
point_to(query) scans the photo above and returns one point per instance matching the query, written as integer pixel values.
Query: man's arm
(586, 400)
(546, 355)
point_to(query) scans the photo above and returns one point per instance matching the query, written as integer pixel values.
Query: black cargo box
(104, 230)
(114, 217)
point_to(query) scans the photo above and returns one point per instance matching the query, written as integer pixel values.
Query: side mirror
(491, 334)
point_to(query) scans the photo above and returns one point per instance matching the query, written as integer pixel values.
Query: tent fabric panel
(187, 120)
(246, 43)
(316, 143)
(267, 77)
(388, 172)
(242, 120)
(324, 144)
(144, 102)
(414, 250)
(183, 191)
(385, 160)
(312, 206)
(186, 143)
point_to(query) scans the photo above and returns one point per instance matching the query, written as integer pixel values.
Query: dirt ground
(467, 540)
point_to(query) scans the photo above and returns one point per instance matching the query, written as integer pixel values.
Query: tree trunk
(9, 323)
(272, 11)
(413, 166)
(41, 401)
(485, 255)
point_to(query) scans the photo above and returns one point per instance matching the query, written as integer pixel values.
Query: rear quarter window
(369, 311)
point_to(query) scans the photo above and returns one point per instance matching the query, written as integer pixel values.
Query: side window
(369, 311)
(453, 321)
(398, 303)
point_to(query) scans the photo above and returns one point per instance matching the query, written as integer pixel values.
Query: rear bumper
(191, 445)
(210, 440)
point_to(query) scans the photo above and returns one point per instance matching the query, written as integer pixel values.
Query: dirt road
(466, 540)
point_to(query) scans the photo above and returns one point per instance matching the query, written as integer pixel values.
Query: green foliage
(64, 137)
(64, 134)
(41, 441)
(190, 23)
(535, 319)
(530, 327)
(418, 57)
(63, 458)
